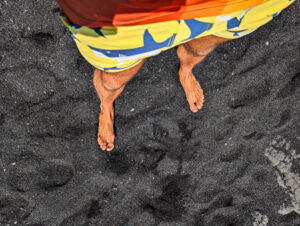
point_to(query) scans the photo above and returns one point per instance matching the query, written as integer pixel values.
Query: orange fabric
(97, 13)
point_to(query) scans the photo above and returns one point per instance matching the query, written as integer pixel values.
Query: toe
(110, 147)
(110, 144)
(200, 98)
(199, 103)
(101, 143)
(103, 147)
(193, 108)
(191, 102)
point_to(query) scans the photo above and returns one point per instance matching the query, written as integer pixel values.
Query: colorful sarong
(116, 13)
(118, 48)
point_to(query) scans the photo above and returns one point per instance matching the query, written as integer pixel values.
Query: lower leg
(109, 85)
(190, 54)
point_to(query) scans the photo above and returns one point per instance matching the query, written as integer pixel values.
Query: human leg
(109, 85)
(190, 54)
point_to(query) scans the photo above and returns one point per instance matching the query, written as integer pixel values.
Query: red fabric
(97, 13)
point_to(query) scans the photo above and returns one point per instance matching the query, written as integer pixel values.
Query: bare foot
(193, 91)
(106, 135)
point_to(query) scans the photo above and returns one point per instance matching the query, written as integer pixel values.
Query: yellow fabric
(118, 48)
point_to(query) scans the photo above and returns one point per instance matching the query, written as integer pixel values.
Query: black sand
(169, 166)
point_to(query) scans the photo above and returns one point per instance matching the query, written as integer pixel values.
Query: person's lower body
(118, 53)
(109, 85)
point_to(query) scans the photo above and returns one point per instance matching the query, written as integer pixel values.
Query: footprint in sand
(260, 219)
(285, 159)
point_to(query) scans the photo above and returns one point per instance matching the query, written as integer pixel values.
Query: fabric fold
(98, 13)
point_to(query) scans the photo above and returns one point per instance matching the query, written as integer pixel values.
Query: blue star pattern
(149, 45)
(196, 27)
(99, 32)
(118, 68)
(275, 14)
(132, 44)
(237, 33)
(235, 22)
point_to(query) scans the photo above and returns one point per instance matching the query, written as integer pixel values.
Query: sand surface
(236, 162)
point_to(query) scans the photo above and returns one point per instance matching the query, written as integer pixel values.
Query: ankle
(106, 108)
(184, 73)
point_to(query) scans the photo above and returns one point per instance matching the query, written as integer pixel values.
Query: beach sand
(235, 162)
